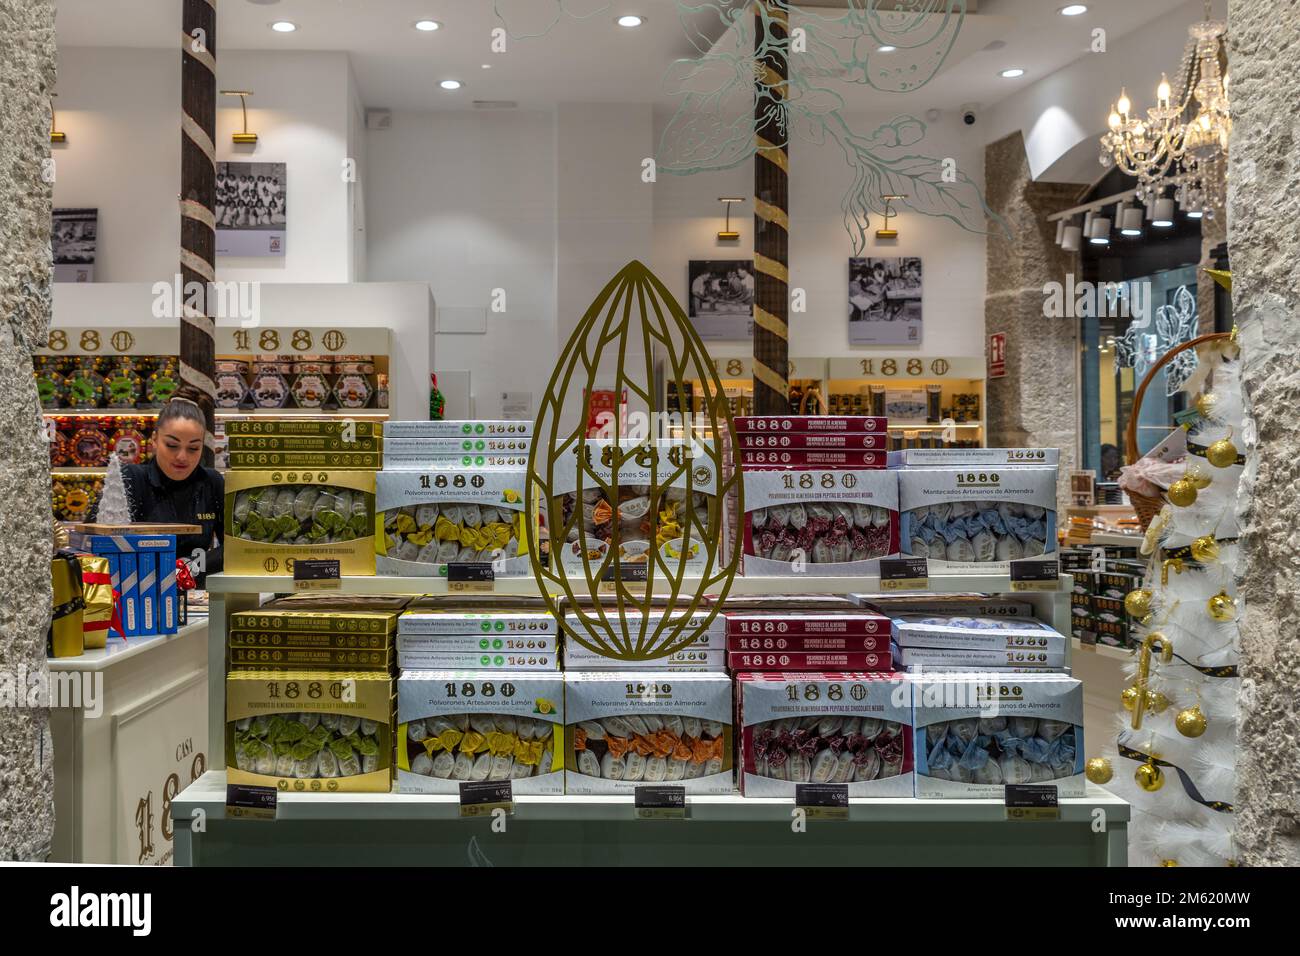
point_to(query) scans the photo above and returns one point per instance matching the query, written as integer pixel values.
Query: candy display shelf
(100, 412)
(314, 828)
(302, 413)
(393, 829)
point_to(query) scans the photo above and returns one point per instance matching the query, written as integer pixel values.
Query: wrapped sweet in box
(310, 731)
(976, 732)
(829, 727)
(276, 517)
(431, 518)
(467, 725)
(819, 523)
(870, 424)
(628, 728)
(978, 519)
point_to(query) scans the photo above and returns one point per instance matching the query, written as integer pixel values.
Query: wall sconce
(56, 136)
(729, 234)
(887, 233)
(245, 138)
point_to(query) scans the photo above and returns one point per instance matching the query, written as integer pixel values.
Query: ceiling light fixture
(451, 84)
(1070, 238)
(1163, 217)
(886, 49)
(629, 21)
(427, 26)
(1132, 224)
(487, 66)
(1012, 73)
(1099, 235)
(284, 26)
(1073, 10)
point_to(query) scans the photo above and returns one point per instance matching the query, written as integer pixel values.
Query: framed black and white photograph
(885, 301)
(722, 298)
(73, 238)
(251, 209)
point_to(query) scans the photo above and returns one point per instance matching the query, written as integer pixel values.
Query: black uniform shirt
(199, 499)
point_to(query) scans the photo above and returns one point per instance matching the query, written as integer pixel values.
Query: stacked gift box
(1102, 577)
(697, 641)
(801, 640)
(457, 444)
(142, 570)
(432, 636)
(817, 498)
(334, 639)
(304, 443)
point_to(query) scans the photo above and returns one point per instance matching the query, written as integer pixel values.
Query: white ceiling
(588, 59)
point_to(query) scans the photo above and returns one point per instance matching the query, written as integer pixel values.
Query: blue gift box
(143, 567)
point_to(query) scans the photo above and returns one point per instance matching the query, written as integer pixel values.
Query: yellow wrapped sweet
(445, 530)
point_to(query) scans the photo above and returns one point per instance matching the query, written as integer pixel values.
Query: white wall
(120, 109)
(466, 202)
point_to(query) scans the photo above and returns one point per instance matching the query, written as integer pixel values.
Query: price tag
(823, 801)
(1032, 801)
(470, 577)
(622, 572)
(904, 574)
(316, 574)
(1035, 574)
(247, 802)
(660, 802)
(479, 798)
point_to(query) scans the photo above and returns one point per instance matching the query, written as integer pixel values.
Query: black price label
(316, 574)
(1032, 801)
(823, 801)
(477, 576)
(1035, 574)
(248, 802)
(622, 572)
(660, 802)
(479, 798)
(904, 574)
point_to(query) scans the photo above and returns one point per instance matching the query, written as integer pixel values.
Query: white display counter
(117, 771)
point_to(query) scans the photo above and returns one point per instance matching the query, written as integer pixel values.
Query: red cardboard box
(812, 625)
(809, 661)
(835, 441)
(767, 643)
(872, 424)
(812, 458)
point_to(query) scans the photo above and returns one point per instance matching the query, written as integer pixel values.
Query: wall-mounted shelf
(60, 470)
(302, 413)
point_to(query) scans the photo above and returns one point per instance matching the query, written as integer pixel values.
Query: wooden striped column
(771, 210)
(198, 201)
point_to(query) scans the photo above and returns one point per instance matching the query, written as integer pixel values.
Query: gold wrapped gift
(97, 592)
(64, 638)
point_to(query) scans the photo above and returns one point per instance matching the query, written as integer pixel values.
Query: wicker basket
(1147, 506)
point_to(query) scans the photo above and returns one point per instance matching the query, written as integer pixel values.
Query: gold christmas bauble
(1222, 453)
(1205, 403)
(1138, 603)
(1182, 493)
(1191, 722)
(1129, 698)
(1157, 702)
(1205, 549)
(1168, 862)
(1199, 477)
(1149, 777)
(1098, 770)
(1221, 607)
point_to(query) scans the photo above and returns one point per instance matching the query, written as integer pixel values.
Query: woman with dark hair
(175, 488)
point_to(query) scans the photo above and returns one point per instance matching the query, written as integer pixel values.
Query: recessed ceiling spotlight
(1073, 10)
(451, 84)
(487, 66)
(631, 20)
(284, 26)
(427, 26)
(1012, 73)
(886, 49)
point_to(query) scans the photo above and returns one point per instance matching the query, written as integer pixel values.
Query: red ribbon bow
(184, 579)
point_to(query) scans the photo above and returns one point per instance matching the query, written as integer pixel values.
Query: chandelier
(1181, 144)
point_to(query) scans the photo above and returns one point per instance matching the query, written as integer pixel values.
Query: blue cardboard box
(147, 589)
(168, 596)
(130, 594)
(135, 562)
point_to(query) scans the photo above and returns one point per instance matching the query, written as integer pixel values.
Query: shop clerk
(174, 488)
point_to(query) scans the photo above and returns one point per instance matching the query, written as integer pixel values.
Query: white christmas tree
(114, 500)
(1174, 757)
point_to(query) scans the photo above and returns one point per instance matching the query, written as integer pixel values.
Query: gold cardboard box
(314, 622)
(262, 535)
(301, 443)
(280, 725)
(305, 459)
(281, 639)
(311, 658)
(306, 426)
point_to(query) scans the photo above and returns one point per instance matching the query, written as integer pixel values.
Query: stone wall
(26, 757)
(1037, 403)
(1264, 245)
